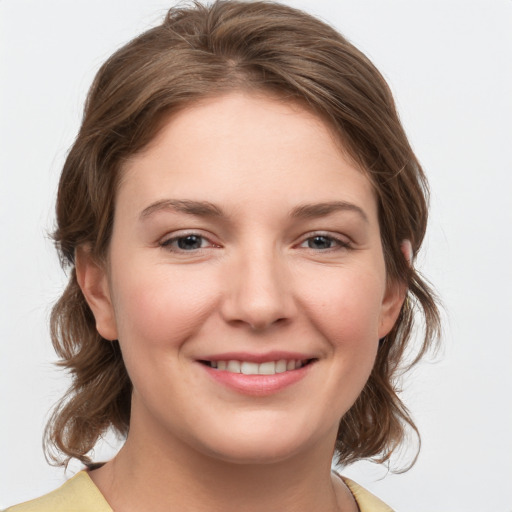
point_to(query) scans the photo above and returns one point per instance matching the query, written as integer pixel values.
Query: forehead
(241, 147)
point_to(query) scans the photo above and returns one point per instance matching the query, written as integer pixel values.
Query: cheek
(346, 306)
(157, 308)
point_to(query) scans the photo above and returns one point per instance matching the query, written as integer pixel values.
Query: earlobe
(93, 281)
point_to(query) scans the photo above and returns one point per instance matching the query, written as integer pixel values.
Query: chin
(254, 454)
(265, 446)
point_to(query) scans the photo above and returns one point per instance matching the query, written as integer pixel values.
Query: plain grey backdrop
(449, 63)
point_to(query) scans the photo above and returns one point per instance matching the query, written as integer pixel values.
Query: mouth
(253, 368)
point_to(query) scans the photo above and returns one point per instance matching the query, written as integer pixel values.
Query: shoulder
(78, 494)
(366, 501)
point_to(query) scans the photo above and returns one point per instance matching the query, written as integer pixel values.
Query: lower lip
(258, 385)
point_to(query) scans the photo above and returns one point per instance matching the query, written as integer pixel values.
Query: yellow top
(366, 501)
(79, 494)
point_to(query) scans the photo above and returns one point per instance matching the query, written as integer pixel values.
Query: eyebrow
(322, 209)
(199, 208)
(207, 209)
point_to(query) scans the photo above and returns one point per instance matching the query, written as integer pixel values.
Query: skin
(258, 281)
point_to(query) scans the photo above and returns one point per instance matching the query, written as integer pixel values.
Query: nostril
(265, 324)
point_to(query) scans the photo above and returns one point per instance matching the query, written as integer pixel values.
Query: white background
(449, 63)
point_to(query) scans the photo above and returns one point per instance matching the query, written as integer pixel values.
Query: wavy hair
(201, 51)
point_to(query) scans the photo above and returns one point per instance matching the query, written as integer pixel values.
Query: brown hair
(201, 51)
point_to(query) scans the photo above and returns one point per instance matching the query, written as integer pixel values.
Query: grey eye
(189, 242)
(320, 242)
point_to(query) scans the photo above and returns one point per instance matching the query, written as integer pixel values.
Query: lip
(275, 355)
(257, 385)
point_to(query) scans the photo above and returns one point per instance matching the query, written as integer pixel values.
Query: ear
(395, 295)
(93, 281)
(407, 251)
(391, 306)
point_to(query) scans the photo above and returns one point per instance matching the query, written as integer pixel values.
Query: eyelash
(338, 244)
(168, 243)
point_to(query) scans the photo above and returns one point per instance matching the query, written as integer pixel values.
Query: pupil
(189, 242)
(320, 242)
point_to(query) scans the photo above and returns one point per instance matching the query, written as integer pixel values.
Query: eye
(324, 242)
(188, 243)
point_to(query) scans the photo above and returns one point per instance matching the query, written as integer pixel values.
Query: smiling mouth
(251, 368)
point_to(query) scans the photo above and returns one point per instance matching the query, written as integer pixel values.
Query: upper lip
(257, 358)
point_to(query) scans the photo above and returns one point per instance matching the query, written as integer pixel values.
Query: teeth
(250, 368)
(281, 366)
(233, 366)
(267, 368)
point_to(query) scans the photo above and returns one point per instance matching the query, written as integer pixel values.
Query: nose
(259, 291)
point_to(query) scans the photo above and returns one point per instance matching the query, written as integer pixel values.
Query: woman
(240, 212)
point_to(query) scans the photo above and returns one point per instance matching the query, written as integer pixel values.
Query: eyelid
(166, 241)
(342, 242)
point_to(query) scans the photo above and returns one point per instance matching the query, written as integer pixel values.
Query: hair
(202, 51)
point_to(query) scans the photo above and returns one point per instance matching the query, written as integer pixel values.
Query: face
(245, 281)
